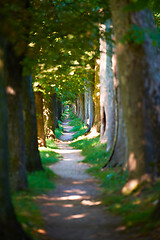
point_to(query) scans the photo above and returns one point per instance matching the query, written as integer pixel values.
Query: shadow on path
(73, 211)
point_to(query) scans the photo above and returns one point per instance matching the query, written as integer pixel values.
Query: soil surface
(73, 211)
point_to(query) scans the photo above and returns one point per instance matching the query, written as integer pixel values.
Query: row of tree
(129, 93)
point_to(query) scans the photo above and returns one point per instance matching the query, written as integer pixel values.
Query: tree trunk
(82, 107)
(107, 101)
(55, 110)
(90, 108)
(86, 106)
(40, 120)
(33, 161)
(49, 117)
(10, 228)
(13, 74)
(59, 104)
(96, 98)
(78, 107)
(139, 84)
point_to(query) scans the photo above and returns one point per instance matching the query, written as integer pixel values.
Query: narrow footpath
(73, 211)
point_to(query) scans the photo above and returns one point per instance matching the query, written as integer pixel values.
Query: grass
(59, 131)
(78, 126)
(136, 208)
(40, 182)
(51, 144)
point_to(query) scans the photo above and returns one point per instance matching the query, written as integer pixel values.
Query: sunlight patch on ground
(67, 151)
(72, 198)
(50, 204)
(120, 228)
(68, 205)
(41, 231)
(90, 203)
(76, 216)
(54, 214)
(75, 191)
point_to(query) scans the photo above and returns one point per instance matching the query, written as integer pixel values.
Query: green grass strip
(136, 208)
(40, 182)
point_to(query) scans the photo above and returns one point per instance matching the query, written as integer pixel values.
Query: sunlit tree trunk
(86, 106)
(50, 115)
(139, 75)
(96, 98)
(10, 228)
(13, 75)
(90, 107)
(40, 118)
(107, 100)
(119, 149)
(33, 161)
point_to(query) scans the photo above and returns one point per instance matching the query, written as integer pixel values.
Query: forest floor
(74, 210)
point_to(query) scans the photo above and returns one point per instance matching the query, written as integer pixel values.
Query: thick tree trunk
(118, 142)
(107, 100)
(10, 228)
(40, 118)
(13, 74)
(139, 84)
(51, 116)
(33, 161)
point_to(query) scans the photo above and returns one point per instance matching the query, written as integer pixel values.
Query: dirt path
(73, 211)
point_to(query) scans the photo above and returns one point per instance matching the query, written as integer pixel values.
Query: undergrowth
(78, 126)
(59, 131)
(136, 208)
(40, 182)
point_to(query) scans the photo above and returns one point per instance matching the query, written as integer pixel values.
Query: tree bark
(50, 116)
(90, 108)
(10, 228)
(82, 107)
(139, 84)
(33, 161)
(107, 100)
(86, 106)
(59, 104)
(55, 110)
(96, 98)
(40, 118)
(13, 75)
